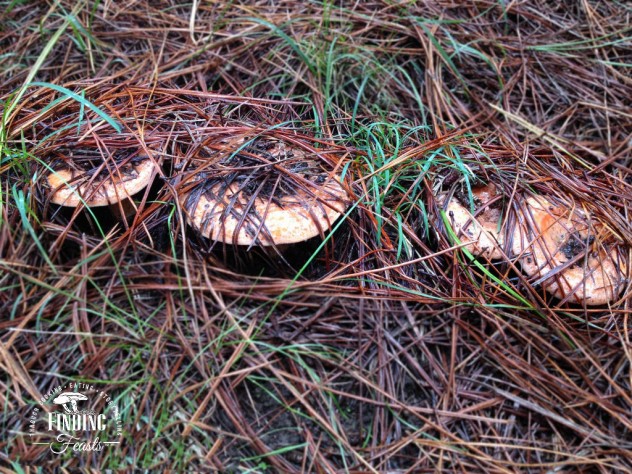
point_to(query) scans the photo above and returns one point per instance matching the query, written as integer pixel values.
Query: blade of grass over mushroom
(481, 267)
(383, 143)
(290, 287)
(428, 146)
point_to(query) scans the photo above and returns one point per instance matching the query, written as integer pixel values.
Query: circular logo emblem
(75, 417)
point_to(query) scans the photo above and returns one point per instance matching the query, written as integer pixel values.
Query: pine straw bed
(386, 349)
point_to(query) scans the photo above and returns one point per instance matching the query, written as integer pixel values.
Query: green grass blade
(480, 266)
(84, 102)
(445, 56)
(291, 42)
(22, 206)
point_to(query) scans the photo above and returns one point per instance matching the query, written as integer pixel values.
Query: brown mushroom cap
(556, 247)
(227, 208)
(71, 187)
(483, 234)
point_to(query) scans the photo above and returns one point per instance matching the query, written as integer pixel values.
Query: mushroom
(481, 231)
(99, 184)
(69, 397)
(557, 248)
(267, 193)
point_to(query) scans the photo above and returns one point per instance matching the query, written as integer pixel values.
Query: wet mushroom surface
(483, 231)
(84, 176)
(261, 191)
(559, 248)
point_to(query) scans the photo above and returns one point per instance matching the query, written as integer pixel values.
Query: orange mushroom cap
(235, 212)
(556, 247)
(482, 232)
(71, 188)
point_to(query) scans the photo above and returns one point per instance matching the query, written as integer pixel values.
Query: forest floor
(382, 345)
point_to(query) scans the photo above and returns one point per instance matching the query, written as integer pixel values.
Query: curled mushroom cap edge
(71, 189)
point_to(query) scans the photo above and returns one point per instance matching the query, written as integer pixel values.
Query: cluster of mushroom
(265, 192)
(555, 246)
(249, 192)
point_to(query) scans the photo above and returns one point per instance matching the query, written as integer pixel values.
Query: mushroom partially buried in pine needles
(94, 178)
(481, 231)
(263, 191)
(572, 259)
